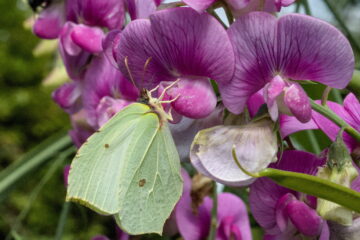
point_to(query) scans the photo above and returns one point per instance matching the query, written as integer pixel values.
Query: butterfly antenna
(145, 70)
(128, 69)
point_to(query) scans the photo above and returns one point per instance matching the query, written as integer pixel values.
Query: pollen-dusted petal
(298, 102)
(255, 145)
(253, 37)
(199, 5)
(175, 42)
(50, 21)
(312, 49)
(195, 98)
(88, 38)
(304, 218)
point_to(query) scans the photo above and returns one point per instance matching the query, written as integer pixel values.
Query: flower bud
(339, 170)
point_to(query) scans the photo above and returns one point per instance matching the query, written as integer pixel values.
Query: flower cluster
(254, 69)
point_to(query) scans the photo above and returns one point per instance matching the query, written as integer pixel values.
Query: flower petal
(88, 38)
(109, 44)
(311, 49)
(199, 5)
(230, 205)
(101, 80)
(195, 98)
(295, 46)
(67, 97)
(305, 219)
(140, 8)
(298, 102)
(253, 37)
(74, 58)
(185, 131)
(255, 144)
(264, 193)
(191, 226)
(177, 42)
(50, 21)
(352, 106)
(110, 13)
(290, 125)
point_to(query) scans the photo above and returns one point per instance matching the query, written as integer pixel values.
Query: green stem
(325, 111)
(62, 221)
(354, 85)
(9, 179)
(307, 7)
(325, 95)
(213, 226)
(343, 25)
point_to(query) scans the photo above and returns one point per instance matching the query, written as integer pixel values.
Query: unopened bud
(339, 170)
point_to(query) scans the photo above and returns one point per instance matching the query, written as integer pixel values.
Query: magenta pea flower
(141, 8)
(349, 112)
(241, 7)
(284, 213)
(109, 13)
(50, 21)
(105, 91)
(178, 44)
(232, 217)
(273, 54)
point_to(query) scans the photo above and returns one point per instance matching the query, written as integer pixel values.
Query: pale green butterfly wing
(116, 170)
(157, 191)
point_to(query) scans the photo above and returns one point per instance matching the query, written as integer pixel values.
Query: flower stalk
(325, 111)
(213, 224)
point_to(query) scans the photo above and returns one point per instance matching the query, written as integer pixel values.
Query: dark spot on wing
(142, 182)
(106, 145)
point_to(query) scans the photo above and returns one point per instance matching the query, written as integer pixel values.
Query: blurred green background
(28, 116)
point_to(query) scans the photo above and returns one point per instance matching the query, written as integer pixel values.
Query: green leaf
(130, 168)
(38, 157)
(314, 186)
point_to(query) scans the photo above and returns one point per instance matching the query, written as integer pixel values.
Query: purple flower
(241, 7)
(284, 213)
(141, 8)
(233, 222)
(178, 44)
(50, 22)
(100, 13)
(349, 112)
(68, 97)
(271, 54)
(73, 56)
(106, 91)
(81, 130)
